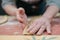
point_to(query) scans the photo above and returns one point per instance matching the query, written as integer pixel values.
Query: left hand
(21, 16)
(39, 25)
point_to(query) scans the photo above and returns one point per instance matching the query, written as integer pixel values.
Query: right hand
(21, 16)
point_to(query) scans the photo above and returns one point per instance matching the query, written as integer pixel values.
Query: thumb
(21, 11)
(19, 18)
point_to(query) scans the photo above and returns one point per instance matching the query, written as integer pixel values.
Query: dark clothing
(40, 7)
(2, 12)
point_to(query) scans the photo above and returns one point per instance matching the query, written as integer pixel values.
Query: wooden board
(22, 37)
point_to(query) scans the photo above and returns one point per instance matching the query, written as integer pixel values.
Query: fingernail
(22, 12)
(38, 34)
(31, 32)
(49, 33)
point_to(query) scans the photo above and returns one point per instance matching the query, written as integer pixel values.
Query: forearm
(51, 11)
(10, 9)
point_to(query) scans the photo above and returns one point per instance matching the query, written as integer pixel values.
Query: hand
(21, 16)
(39, 25)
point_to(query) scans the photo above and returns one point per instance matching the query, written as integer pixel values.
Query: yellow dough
(25, 32)
(3, 19)
(57, 15)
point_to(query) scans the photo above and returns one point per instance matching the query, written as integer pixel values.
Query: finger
(41, 30)
(25, 19)
(23, 15)
(48, 28)
(35, 29)
(18, 16)
(21, 25)
(21, 11)
(31, 26)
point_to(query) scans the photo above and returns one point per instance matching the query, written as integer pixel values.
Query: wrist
(47, 17)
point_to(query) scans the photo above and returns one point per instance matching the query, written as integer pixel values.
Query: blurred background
(2, 12)
(30, 10)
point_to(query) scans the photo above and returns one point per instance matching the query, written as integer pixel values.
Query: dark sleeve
(53, 2)
(7, 2)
